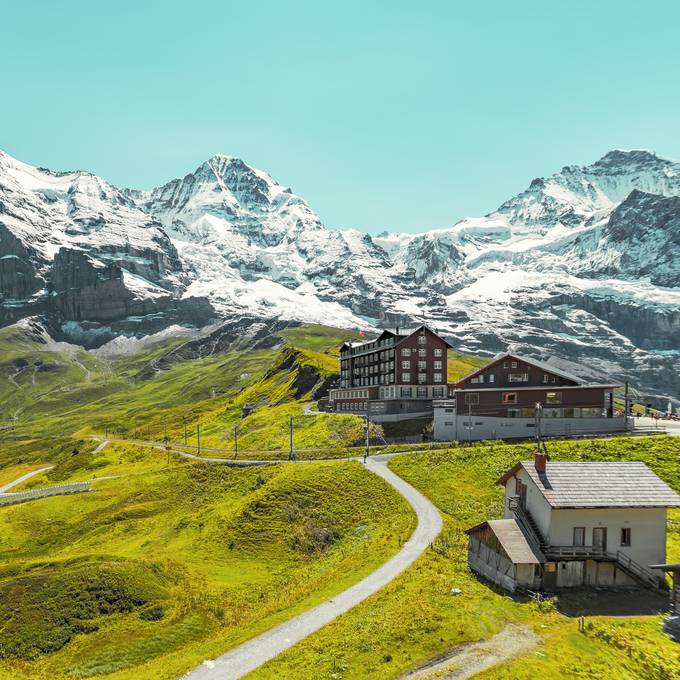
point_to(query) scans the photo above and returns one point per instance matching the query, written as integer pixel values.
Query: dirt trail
(88, 373)
(11, 377)
(468, 660)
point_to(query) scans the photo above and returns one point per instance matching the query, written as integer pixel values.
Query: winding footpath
(23, 478)
(247, 657)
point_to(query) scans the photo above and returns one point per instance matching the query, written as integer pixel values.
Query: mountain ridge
(582, 263)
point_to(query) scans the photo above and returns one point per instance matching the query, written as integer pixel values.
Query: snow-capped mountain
(584, 264)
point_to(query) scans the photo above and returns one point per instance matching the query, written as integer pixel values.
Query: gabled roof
(513, 541)
(548, 368)
(407, 333)
(601, 484)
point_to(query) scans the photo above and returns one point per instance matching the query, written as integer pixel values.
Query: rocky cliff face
(583, 264)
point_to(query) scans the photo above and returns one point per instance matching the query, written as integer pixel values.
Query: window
(405, 377)
(505, 364)
(406, 364)
(438, 392)
(518, 377)
(546, 377)
(528, 412)
(406, 392)
(422, 378)
(552, 412)
(422, 365)
(448, 410)
(492, 377)
(472, 398)
(437, 365)
(448, 423)
(406, 351)
(591, 412)
(437, 377)
(509, 397)
(513, 364)
(553, 397)
(422, 352)
(437, 351)
(421, 392)
(625, 537)
(513, 412)
(579, 536)
(422, 340)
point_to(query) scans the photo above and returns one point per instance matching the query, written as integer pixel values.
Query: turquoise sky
(383, 115)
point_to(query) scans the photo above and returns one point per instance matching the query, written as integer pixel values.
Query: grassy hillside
(417, 618)
(163, 565)
(153, 394)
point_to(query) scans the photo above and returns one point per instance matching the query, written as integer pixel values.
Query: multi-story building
(395, 376)
(500, 401)
(571, 524)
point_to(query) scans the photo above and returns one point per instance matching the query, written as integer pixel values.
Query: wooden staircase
(569, 553)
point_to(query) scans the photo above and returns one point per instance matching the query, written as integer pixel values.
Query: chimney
(540, 460)
(397, 330)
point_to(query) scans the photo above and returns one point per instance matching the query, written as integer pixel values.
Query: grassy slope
(170, 564)
(416, 617)
(210, 392)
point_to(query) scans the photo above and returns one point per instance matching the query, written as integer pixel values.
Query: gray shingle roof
(514, 542)
(602, 485)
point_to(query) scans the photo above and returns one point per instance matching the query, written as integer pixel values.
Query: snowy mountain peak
(583, 263)
(584, 194)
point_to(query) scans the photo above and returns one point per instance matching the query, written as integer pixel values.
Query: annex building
(506, 399)
(573, 524)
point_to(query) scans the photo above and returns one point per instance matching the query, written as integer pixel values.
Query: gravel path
(23, 478)
(248, 656)
(468, 660)
(100, 447)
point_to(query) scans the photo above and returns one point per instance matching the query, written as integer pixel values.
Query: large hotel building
(394, 377)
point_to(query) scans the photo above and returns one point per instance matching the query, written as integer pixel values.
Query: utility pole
(291, 455)
(538, 415)
(236, 442)
(469, 423)
(198, 435)
(367, 452)
(627, 405)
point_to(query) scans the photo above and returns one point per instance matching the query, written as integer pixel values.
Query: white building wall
(647, 525)
(452, 427)
(538, 507)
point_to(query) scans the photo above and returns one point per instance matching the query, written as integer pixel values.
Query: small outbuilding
(499, 551)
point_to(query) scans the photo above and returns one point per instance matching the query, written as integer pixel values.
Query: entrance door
(523, 496)
(600, 538)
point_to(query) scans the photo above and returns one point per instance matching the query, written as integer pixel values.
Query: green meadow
(169, 561)
(417, 618)
(163, 564)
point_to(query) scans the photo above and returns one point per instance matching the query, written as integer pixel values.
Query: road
(23, 478)
(672, 426)
(248, 656)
